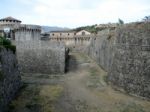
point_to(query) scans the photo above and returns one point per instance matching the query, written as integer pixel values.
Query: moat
(83, 88)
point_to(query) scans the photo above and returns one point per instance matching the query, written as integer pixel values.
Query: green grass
(94, 79)
(37, 98)
(131, 107)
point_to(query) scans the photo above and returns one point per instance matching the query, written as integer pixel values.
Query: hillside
(53, 28)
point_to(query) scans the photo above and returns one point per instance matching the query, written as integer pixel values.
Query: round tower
(25, 32)
(7, 26)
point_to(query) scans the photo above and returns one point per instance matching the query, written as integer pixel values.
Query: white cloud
(83, 12)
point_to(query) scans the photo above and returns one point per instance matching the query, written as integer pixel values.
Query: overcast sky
(74, 13)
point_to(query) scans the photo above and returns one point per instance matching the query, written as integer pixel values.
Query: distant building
(7, 26)
(71, 38)
(68, 33)
(13, 29)
(83, 33)
(62, 34)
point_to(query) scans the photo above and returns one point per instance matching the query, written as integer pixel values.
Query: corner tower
(7, 26)
(27, 32)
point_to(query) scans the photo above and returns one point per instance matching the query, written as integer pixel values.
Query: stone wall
(101, 48)
(27, 32)
(41, 56)
(125, 54)
(131, 64)
(10, 79)
(74, 41)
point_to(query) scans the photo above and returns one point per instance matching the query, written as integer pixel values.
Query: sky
(74, 13)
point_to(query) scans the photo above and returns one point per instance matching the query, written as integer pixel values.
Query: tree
(146, 19)
(120, 21)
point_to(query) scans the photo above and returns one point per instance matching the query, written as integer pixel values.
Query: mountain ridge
(46, 29)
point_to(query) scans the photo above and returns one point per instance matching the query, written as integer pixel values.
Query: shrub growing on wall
(7, 44)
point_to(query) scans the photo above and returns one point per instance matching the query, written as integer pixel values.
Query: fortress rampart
(131, 63)
(27, 32)
(36, 56)
(125, 54)
(10, 78)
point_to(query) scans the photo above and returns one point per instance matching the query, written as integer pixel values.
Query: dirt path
(82, 89)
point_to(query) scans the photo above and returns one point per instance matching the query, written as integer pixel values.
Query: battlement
(9, 20)
(26, 27)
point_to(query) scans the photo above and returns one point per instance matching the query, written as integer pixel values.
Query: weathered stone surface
(125, 54)
(131, 63)
(41, 56)
(101, 48)
(10, 79)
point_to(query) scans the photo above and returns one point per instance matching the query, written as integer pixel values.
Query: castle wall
(62, 34)
(9, 23)
(74, 41)
(125, 55)
(131, 63)
(25, 35)
(41, 56)
(101, 48)
(27, 32)
(10, 79)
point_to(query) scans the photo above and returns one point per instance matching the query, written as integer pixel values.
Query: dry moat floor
(82, 89)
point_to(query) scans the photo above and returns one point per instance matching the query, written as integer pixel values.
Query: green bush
(7, 44)
(11, 47)
(4, 41)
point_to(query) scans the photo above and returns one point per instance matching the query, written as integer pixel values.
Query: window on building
(53, 34)
(83, 33)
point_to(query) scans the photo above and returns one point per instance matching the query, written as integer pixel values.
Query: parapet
(9, 20)
(28, 27)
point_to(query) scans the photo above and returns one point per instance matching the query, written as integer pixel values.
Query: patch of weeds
(34, 107)
(93, 72)
(11, 47)
(43, 76)
(23, 87)
(35, 101)
(27, 92)
(51, 92)
(12, 105)
(94, 79)
(132, 107)
(82, 106)
(7, 44)
(44, 99)
(105, 78)
(36, 98)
